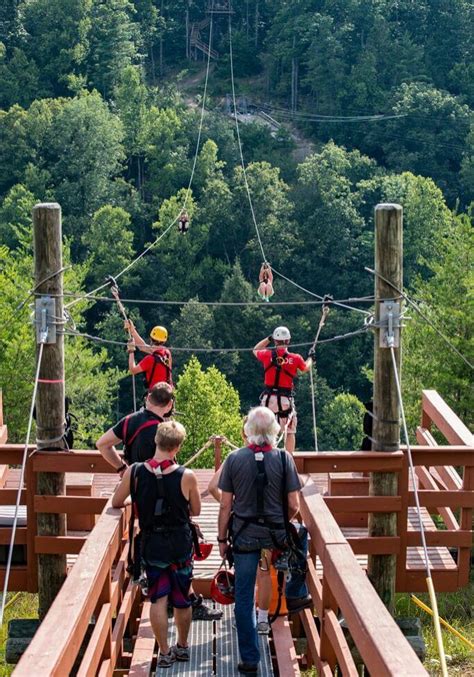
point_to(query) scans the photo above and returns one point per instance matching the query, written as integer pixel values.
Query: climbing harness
(160, 357)
(324, 313)
(160, 520)
(285, 413)
(115, 293)
(128, 441)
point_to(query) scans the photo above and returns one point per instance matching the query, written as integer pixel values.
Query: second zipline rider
(157, 366)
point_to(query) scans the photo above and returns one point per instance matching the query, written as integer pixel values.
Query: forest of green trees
(99, 110)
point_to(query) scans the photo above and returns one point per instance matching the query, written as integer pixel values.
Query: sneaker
(263, 628)
(166, 660)
(180, 653)
(247, 669)
(203, 612)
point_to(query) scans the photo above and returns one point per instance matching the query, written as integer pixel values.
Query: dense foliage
(100, 111)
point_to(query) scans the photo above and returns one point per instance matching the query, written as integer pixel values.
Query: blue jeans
(245, 566)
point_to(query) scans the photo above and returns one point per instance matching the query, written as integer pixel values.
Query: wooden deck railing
(97, 601)
(25, 576)
(345, 589)
(448, 574)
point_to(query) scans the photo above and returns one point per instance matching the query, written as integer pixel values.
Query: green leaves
(208, 405)
(447, 299)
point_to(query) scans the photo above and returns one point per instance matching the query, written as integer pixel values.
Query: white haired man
(260, 484)
(281, 367)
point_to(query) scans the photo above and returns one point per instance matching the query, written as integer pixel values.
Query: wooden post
(50, 414)
(217, 452)
(386, 410)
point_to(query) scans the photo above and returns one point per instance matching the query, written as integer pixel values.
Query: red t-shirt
(156, 371)
(292, 364)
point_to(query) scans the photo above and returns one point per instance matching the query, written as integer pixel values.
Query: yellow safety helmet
(159, 334)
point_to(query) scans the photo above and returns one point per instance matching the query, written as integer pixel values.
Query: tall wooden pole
(50, 414)
(386, 410)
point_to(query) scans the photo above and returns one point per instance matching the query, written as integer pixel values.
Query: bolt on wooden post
(386, 409)
(50, 404)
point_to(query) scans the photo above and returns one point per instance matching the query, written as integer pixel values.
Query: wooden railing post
(402, 526)
(386, 411)
(3, 427)
(328, 654)
(217, 452)
(465, 522)
(31, 526)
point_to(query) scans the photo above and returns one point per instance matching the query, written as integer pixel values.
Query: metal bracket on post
(389, 323)
(45, 314)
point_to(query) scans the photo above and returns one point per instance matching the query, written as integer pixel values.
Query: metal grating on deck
(227, 650)
(201, 641)
(214, 649)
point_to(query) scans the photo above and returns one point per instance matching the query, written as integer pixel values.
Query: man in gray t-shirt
(239, 475)
(248, 498)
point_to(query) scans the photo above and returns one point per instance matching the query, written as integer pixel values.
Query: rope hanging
(429, 580)
(115, 293)
(20, 485)
(311, 353)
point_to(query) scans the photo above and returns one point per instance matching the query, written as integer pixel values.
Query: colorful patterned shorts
(172, 581)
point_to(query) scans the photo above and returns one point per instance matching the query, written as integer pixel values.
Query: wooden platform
(103, 485)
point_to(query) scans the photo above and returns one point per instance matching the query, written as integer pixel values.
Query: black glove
(312, 352)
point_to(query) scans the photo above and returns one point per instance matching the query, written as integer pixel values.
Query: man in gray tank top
(255, 485)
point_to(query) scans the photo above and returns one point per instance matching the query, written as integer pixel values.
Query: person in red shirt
(280, 369)
(157, 365)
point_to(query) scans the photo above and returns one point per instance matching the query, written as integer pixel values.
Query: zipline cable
(318, 296)
(422, 315)
(164, 302)
(244, 172)
(188, 190)
(429, 580)
(239, 142)
(20, 483)
(99, 339)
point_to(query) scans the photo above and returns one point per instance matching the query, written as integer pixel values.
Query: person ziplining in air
(183, 222)
(157, 365)
(265, 278)
(280, 369)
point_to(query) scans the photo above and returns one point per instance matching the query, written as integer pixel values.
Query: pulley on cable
(311, 353)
